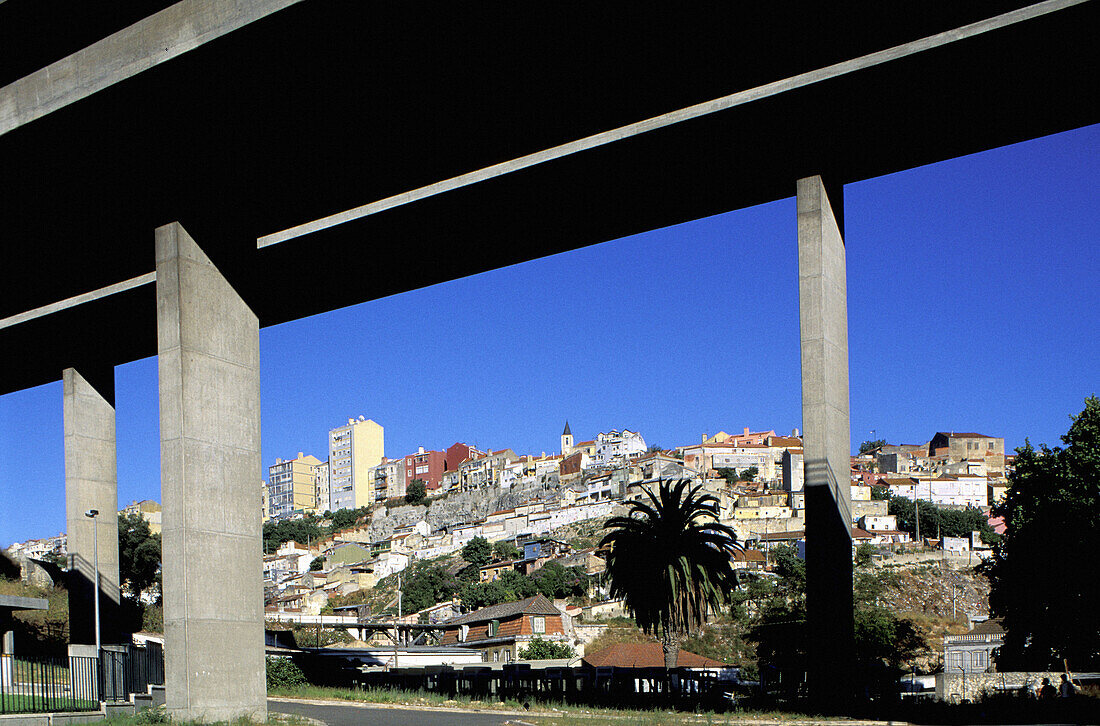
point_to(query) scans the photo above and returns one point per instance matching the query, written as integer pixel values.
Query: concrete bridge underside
(442, 141)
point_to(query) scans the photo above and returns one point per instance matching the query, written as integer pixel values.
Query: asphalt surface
(334, 714)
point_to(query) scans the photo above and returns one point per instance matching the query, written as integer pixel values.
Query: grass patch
(393, 697)
(543, 712)
(20, 703)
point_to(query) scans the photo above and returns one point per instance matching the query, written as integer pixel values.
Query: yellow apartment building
(353, 452)
(293, 486)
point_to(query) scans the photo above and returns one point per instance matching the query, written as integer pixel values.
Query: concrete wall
(209, 366)
(90, 483)
(954, 687)
(823, 320)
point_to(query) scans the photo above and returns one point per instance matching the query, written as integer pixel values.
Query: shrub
(284, 673)
(151, 715)
(539, 649)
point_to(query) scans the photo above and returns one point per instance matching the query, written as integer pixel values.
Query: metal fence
(38, 684)
(653, 687)
(43, 684)
(131, 670)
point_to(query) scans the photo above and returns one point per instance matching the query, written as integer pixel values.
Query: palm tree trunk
(671, 643)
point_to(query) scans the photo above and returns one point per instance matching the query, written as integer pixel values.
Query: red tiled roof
(537, 605)
(646, 655)
(990, 627)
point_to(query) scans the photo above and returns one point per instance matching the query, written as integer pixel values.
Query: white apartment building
(972, 491)
(353, 452)
(794, 472)
(615, 448)
(708, 458)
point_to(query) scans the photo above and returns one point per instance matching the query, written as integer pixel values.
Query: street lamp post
(93, 514)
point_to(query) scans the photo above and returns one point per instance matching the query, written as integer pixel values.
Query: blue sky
(973, 298)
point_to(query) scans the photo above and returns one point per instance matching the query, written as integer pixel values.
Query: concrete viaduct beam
(209, 368)
(91, 482)
(147, 43)
(823, 318)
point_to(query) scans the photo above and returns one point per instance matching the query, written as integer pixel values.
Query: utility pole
(916, 512)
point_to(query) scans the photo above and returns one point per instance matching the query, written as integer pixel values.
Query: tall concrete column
(823, 317)
(91, 482)
(209, 366)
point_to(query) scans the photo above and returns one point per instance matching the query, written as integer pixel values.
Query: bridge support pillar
(823, 317)
(209, 367)
(91, 482)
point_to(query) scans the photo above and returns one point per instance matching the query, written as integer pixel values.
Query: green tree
(504, 550)
(539, 649)
(517, 586)
(791, 571)
(884, 643)
(416, 491)
(138, 554)
(940, 521)
(556, 581)
(1040, 577)
(477, 595)
(670, 561)
(341, 519)
(317, 564)
(730, 475)
(864, 555)
(880, 494)
(749, 474)
(425, 586)
(305, 530)
(870, 447)
(477, 551)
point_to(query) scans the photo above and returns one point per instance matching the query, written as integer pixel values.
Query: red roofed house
(501, 631)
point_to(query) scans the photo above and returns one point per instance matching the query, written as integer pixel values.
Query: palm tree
(670, 561)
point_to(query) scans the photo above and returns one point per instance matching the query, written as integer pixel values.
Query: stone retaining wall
(954, 687)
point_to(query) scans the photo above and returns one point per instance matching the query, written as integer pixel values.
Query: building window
(978, 659)
(538, 624)
(494, 626)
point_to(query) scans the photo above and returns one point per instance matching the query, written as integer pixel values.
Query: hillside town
(756, 477)
(430, 504)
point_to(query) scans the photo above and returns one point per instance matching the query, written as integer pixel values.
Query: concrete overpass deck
(325, 107)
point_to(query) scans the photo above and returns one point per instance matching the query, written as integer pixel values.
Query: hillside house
(501, 631)
(972, 652)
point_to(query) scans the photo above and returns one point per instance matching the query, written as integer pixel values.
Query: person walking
(1047, 692)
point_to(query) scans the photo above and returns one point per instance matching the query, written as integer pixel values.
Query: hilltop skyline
(971, 289)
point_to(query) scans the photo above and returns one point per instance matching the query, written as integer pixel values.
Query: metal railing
(40, 684)
(43, 684)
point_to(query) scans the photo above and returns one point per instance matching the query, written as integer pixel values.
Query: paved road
(356, 715)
